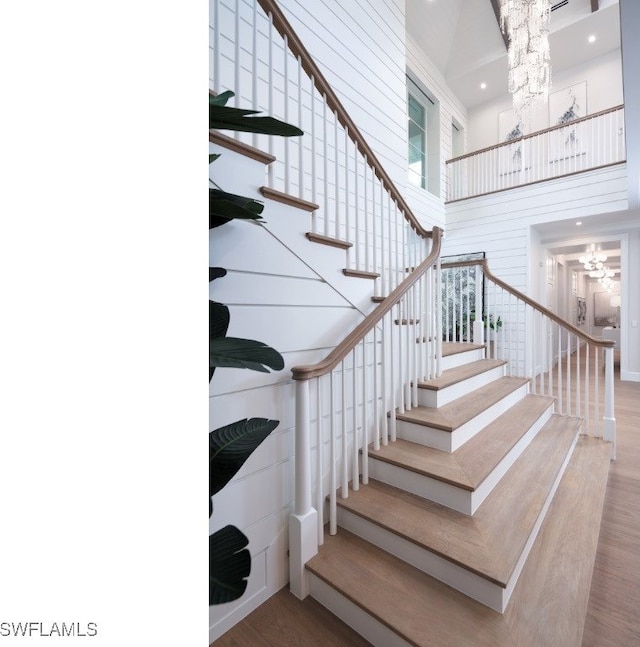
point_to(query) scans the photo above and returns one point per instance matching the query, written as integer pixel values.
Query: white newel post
(609, 415)
(478, 324)
(303, 531)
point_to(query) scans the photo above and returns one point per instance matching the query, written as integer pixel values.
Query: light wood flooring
(612, 616)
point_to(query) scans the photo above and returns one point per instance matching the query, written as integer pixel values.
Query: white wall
(604, 90)
(499, 223)
(630, 310)
(359, 46)
(429, 208)
(277, 298)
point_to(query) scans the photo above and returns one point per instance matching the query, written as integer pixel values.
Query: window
(423, 138)
(457, 139)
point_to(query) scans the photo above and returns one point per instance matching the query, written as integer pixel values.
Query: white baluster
(314, 175)
(319, 485)
(609, 432)
(333, 514)
(365, 422)
(355, 480)
(287, 99)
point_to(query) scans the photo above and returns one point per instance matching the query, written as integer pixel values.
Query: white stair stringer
(484, 489)
(289, 225)
(540, 520)
(439, 397)
(449, 441)
(453, 496)
(481, 589)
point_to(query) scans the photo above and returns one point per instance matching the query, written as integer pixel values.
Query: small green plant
(494, 324)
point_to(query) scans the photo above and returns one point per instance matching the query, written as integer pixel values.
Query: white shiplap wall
(499, 224)
(277, 298)
(272, 290)
(429, 208)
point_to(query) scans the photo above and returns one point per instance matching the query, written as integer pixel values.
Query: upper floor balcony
(584, 144)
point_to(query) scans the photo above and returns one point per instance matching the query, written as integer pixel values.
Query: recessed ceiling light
(592, 39)
(578, 223)
(483, 86)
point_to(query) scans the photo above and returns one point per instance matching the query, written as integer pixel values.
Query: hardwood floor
(612, 615)
(612, 618)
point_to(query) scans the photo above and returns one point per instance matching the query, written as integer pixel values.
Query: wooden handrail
(358, 333)
(296, 47)
(605, 343)
(536, 134)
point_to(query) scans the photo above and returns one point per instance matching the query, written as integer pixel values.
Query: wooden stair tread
(287, 198)
(360, 274)
(327, 240)
(426, 612)
(232, 144)
(454, 347)
(491, 541)
(460, 373)
(469, 465)
(461, 410)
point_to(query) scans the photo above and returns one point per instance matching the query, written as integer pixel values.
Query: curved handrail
(296, 47)
(605, 343)
(358, 333)
(536, 134)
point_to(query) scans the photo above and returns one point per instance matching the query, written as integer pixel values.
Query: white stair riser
(452, 496)
(440, 397)
(450, 441)
(460, 359)
(455, 576)
(357, 618)
(421, 485)
(485, 488)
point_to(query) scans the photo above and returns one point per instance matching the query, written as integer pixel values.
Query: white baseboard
(629, 376)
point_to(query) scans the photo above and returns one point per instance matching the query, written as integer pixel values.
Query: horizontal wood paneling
(499, 224)
(240, 288)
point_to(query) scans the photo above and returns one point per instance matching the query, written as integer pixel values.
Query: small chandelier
(603, 273)
(594, 261)
(527, 24)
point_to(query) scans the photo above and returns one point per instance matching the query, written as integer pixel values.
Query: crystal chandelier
(601, 274)
(594, 261)
(527, 24)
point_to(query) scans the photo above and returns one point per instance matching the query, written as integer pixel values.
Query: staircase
(506, 512)
(447, 491)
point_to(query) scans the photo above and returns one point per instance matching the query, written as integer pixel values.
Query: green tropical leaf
(218, 322)
(223, 117)
(218, 319)
(216, 273)
(231, 446)
(221, 99)
(234, 352)
(229, 565)
(213, 157)
(224, 207)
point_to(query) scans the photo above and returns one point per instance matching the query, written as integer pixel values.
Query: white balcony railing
(584, 144)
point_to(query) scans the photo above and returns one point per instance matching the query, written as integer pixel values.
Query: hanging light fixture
(600, 274)
(526, 22)
(593, 261)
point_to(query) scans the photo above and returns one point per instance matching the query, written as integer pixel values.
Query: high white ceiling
(463, 40)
